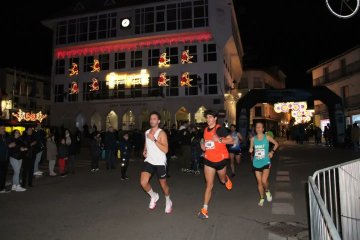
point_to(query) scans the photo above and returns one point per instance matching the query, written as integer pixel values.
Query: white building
(271, 78)
(128, 40)
(341, 74)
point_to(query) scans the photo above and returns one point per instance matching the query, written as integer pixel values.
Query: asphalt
(100, 206)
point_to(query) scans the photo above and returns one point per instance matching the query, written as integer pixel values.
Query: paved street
(101, 206)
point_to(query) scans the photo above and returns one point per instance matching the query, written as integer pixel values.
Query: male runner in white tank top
(155, 149)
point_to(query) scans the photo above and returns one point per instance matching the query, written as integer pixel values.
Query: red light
(130, 45)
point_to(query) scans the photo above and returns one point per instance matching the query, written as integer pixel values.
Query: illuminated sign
(96, 66)
(94, 86)
(74, 70)
(29, 117)
(185, 80)
(164, 61)
(127, 79)
(163, 80)
(185, 57)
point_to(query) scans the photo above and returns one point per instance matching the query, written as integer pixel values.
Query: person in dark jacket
(4, 159)
(63, 156)
(51, 154)
(110, 146)
(40, 137)
(30, 143)
(125, 151)
(95, 145)
(16, 153)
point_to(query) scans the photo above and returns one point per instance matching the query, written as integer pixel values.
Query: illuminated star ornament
(94, 86)
(164, 61)
(96, 66)
(185, 57)
(26, 116)
(74, 70)
(299, 111)
(163, 80)
(74, 89)
(185, 80)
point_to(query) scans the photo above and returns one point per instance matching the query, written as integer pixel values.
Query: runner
(155, 149)
(216, 157)
(235, 149)
(262, 160)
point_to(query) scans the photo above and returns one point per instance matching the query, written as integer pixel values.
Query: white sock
(151, 193)
(167, 198)
(205, 207)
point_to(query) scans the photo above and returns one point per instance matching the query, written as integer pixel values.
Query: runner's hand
(271, 154)
(145, 154)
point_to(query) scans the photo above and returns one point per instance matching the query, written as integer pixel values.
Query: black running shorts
(159, 170)
(262, 168)
(217, 165)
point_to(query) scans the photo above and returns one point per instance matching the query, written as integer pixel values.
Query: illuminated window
(173, 54)
(60, 66)
(210, 52)
(120, 60)
(136, 59)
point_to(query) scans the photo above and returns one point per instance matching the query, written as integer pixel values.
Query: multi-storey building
(271, 78)
(341, 74)
(127, 58)
(23, 91)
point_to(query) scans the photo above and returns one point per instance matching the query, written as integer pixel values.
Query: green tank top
(261, 152)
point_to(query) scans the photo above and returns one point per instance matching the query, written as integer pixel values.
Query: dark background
(295, 35)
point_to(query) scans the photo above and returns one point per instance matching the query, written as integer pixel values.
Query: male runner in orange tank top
(216, 157)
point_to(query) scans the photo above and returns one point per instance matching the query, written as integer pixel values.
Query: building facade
(23, 91)
(114, 65)
(341, 75)
(264, 79)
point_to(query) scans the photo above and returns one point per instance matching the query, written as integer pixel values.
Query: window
(61, 30)
(88, 63)
(59, 93)
(258, 112)
(192, 52)
(243, 83)
(120, 60)
(74, 60)
(104, 61)
(193, 90)
(136, 59)
(173, 55)
(93, 23)
(171, 16)
(210, 82)
(185, 10)
(60, 66)
(102, 26)
(154, 89)
(136, 90)
(209, 52)
(258, 83)
(118, 91)
(173, 88)
(71, 31)
(72, 97)
(153, 57)
(160, 19)
(149, 20)
(201, 13)
(112, 25)
(83, 29)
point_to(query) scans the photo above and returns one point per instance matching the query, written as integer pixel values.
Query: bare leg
(258, 175)
(165, 187)
(265, 179)
(232, 163)
(222, 175)
(238, 158)
(144, 181)
(209, 178)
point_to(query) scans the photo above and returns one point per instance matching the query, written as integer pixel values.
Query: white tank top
(154, 155)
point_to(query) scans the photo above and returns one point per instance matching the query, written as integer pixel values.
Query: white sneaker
(168, 207)
(38, 173)
(153, 201)
(19, 189)
(13, 188)
(268, 196)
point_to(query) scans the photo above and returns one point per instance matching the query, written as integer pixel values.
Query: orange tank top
(214, 151)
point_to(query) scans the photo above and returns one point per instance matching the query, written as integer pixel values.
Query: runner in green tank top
(259, 145)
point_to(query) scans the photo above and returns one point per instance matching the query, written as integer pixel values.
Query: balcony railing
(338, 74)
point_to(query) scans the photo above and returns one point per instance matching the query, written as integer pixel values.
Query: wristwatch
(220, 139)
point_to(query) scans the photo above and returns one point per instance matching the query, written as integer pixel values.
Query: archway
(128, 120)
(199, 115)
(182, 115)
(79, 121)
(96, 120)
(112, 120)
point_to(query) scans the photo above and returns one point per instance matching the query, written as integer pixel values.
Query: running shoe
(268, 196)
(168, 207)
(228, 183)
(203, 214)
(261, 202)
(153, 201)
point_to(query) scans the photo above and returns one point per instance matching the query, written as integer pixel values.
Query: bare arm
(162, 142)
(145, 150)
(225, 140)
(276, 145)
(240, 137)
(251, 149)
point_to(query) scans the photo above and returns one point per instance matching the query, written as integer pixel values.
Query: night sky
(295, 35)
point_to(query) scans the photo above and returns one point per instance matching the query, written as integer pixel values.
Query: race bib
(259, 154)
(209, 144)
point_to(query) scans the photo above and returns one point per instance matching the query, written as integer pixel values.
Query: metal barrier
(334, 201)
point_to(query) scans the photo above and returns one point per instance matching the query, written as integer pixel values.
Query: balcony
(338, 74)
